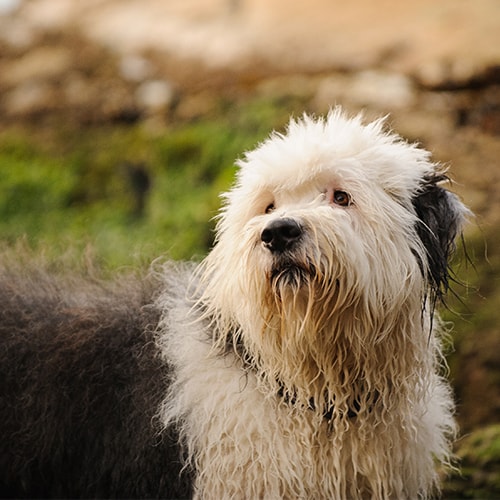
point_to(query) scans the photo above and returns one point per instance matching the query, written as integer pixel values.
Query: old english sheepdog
(301, 359)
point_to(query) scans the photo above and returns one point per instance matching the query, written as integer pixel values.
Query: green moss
(479, 475)
(80, 186)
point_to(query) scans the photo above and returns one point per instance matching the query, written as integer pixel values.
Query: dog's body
(301, 359)
(82, 382)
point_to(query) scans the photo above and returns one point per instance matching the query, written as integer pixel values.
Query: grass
(130, 193)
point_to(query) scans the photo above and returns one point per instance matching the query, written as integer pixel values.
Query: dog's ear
(440, 216)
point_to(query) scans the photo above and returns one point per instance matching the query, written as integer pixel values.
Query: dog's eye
(341, 198)
(269, 208)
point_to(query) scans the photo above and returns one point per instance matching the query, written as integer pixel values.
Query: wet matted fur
(301, 359)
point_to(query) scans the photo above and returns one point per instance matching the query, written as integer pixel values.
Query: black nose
(281, 234)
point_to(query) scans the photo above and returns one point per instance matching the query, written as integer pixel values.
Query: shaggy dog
(300, 359)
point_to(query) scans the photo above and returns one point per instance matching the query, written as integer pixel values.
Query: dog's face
(330, 251)
(334, 219)
(334, 237)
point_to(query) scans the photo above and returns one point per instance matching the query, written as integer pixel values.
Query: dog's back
(96, 434)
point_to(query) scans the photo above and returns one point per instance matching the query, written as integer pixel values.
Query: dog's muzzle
(281, 234)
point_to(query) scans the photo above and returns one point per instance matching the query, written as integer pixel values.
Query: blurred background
(120, 121)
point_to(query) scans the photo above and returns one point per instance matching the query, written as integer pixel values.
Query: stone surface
(379, 55)
(433, 41)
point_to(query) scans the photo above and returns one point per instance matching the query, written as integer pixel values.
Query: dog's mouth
(290, 274)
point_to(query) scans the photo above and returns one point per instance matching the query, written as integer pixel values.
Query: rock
(382, 90)
(38, 64)
(433, 41)
(9, 6)
(29, 98)
(155, 95)
(376, 88)
(16, 33)
(135, 68)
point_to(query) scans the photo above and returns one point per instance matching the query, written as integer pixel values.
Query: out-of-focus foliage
(131, 193)
(479, 455)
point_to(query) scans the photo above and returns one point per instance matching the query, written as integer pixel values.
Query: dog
(301, 359)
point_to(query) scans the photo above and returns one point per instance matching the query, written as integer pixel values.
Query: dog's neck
(328, 370)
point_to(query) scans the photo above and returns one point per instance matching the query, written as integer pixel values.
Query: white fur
(354, 334)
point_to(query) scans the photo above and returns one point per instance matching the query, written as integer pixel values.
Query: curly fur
(308, 366)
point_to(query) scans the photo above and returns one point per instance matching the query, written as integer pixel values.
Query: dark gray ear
(440, 218)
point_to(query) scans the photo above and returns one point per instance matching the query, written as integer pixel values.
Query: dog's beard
(302, 299)
(288, 274)
(298, 296)
(291, 285)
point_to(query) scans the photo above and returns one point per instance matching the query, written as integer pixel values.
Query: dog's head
(334, 222)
